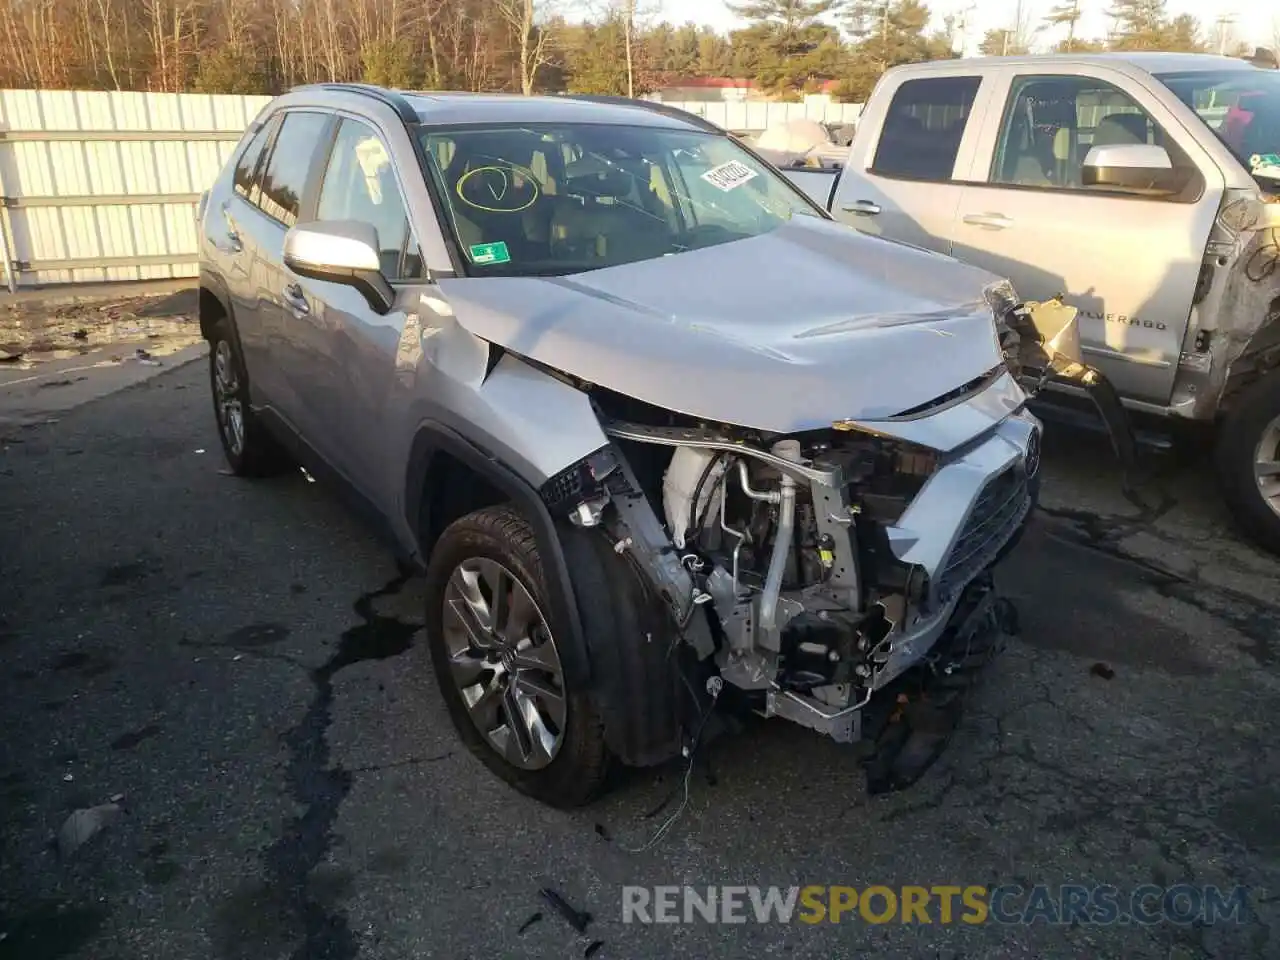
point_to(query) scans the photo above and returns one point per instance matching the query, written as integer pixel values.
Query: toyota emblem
(1031, 460)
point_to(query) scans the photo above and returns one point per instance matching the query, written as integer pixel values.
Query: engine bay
(776, 555)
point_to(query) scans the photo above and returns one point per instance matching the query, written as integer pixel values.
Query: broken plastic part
(575, 918)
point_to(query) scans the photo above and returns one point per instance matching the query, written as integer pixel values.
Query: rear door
(1129, 262)
(230, 227)
(280, 349)
(903, 182)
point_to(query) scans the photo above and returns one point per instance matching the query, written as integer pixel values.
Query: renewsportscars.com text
(940, 904)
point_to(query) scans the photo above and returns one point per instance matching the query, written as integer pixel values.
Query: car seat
(597, 220)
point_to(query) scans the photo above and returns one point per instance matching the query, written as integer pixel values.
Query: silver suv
(665, 438)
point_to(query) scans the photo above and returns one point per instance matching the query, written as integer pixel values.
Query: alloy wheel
(504, 662)
(226, 389)
(1266, 465)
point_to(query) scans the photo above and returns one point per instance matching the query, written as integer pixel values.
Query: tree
(785, 44)
(1139, 24)
(1001, 43)
(523, 17)
(1065, 12)
(887, 34)
(1080, 46)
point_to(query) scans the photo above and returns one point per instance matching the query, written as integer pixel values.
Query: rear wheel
(250, 450)
(1248, 459)
(498, 664)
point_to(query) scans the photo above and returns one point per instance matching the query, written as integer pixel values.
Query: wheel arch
(1259, 358)
(448, 477)
(214, 304)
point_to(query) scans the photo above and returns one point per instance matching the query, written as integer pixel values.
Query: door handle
(991, 221)
(864, 207)
(296, 300)
(233, 234)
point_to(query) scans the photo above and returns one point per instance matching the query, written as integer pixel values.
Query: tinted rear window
(923, 128)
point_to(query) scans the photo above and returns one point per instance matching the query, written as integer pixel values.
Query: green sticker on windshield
(487, 253)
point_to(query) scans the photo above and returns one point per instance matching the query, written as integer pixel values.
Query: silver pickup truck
(1142, 188)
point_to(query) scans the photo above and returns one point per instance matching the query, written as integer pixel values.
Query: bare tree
(527, 20)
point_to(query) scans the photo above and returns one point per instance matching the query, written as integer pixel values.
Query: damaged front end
(1041, 342)
(838, 578)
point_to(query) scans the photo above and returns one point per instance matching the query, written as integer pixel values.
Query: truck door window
(1053, 121)
(360, 185)
(923, 128)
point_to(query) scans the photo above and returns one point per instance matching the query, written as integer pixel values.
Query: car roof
(448, 107)
(1147, 61)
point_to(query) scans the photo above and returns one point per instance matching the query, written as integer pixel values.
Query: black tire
(258, 453)
(1238, 439)
(580, 766)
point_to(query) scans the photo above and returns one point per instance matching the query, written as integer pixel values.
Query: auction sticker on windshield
(729, 176)
(486, 253)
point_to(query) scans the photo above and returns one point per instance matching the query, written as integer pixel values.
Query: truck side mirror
(1142, 168)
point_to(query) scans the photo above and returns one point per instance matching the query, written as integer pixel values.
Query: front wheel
(498, 664)
(1248, 461)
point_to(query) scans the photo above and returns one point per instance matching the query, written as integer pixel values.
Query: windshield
(549, 199)
(1242, 107)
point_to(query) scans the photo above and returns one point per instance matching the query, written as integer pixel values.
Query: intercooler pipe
(789, 450)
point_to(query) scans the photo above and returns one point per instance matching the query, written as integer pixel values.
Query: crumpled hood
(787, 331)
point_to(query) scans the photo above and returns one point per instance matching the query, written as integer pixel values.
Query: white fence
(753, 117)
(103, 186)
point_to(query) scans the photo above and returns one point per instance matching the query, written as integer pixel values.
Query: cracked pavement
(241, 662)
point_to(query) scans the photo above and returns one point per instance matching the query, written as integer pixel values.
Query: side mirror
(1143, 168)
(340, 251)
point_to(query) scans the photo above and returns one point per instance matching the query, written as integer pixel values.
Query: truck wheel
(498, 665)
(250, 450)
(1248, 461)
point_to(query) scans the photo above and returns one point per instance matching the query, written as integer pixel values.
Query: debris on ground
(575, 918)
(1102, 670)
(67, 325)
(537, 917)
(84, 824)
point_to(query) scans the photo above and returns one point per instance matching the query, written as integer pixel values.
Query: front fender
(433, 438)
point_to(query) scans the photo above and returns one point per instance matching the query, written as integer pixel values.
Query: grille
(1001, 508)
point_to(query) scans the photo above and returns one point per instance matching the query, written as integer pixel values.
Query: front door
(351, 366)
(1128, 262)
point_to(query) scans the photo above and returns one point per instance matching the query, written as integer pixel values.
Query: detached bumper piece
(1042, 343)
(907, 727)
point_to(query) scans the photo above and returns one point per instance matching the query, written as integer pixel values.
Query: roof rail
(652, 106)
(391, 98)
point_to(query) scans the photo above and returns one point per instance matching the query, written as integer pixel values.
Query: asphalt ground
(240, 666)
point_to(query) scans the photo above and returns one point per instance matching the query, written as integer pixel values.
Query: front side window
(1241, 107)
(923, 128)
(1052, 122)
(285, 179)
(549, 199)
(360, 184)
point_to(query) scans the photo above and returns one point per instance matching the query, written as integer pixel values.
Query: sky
(1255, 21)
